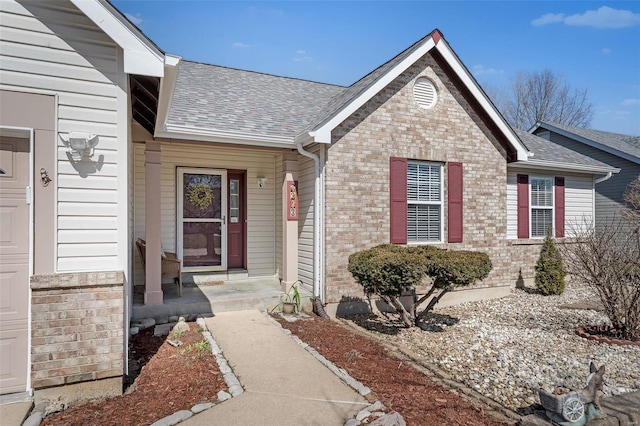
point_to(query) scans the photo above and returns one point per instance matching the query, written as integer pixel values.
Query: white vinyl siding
(424, 202)
(63, 52)
(306, 191)
(578, 199)
(261, 202)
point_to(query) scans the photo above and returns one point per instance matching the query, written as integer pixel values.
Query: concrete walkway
(284, 384)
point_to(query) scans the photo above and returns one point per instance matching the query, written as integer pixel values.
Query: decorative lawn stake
(575, 408)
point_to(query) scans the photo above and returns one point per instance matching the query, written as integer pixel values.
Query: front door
(202, 211)
(14, 263)
(237, 222)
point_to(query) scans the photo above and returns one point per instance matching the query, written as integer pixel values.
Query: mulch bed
(170, 379)
(399, 386)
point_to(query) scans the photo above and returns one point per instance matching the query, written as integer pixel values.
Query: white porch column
(289, 226)
(152, 225)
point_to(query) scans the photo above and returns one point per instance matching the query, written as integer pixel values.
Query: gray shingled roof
(356, 89)
(226, 99)
(624, 143)
(212, 97)
(548, 151)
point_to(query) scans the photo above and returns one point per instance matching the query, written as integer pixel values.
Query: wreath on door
(200, 194)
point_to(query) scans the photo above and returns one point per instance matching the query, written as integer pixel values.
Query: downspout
(603, 178)
(317, 293)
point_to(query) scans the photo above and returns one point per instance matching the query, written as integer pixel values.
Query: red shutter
(523, 206)
(398, 197)
(559, 201)
(454, 202)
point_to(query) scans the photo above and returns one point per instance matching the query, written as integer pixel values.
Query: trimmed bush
(388, 270)
(550, 270)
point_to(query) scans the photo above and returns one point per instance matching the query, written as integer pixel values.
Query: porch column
(289, 222)
(152, 228)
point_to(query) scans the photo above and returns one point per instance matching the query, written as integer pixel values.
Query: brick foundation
(76, 328)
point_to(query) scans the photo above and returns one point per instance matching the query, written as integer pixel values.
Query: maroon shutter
(523, 206)
(559, 201)
(454, 202)
(398, 197)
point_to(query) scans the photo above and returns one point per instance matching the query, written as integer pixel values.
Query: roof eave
(586, 141)
(553, 165)
(217, 136)
(141, 56)
(323, 131)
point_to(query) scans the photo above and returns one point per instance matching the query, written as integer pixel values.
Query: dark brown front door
(236, 225)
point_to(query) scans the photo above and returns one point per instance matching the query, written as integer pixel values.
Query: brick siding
(76, 328)
(392, 124)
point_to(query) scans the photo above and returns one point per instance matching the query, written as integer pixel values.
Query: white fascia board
(551, 165)
(586, 141)
(140, 56)
(167, 89)
(197, 134)
(470, 83)
(323, 133)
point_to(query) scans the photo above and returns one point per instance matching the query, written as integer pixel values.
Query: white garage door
(14, 264)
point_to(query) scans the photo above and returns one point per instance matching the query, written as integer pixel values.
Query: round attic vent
(424, 92)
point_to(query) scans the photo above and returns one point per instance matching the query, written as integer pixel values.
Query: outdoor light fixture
(80, 144)
(262, 181)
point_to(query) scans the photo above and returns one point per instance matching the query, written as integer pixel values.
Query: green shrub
(550, 271)
(389, 270)
(458, 268)
(386, 269)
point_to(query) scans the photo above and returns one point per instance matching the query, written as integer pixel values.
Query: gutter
(317, 286)
(552, 165)
(603, 178)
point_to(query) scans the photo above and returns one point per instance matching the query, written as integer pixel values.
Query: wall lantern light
(262, 181)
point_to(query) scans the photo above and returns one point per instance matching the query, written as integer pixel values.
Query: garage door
(14, 264)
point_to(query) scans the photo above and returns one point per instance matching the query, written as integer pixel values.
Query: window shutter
(454, 202)
(398, 198)
(559, 202)
(523, 206)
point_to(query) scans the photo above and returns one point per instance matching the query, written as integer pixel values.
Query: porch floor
(209, 298)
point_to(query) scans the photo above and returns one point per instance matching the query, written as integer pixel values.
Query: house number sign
(292, 200)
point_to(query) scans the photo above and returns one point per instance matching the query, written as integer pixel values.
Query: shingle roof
(624, 143)
(342, 99)
(212, 97)
(227, 99)
(548, 151)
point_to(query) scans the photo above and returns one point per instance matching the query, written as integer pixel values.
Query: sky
(594, 45)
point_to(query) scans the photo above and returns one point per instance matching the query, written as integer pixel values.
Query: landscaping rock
(363, 415)
(162, 320)
(180, 327)
(144, 323)
(34, 419)
(223, 396)
(174, 318)
(133, 331)
(174, 419)
(376, 406)
(162, 330)
(174, 343)
(391, 419)
(199, 408)
(352, 422)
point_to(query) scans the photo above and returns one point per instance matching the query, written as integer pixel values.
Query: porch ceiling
(144, 100)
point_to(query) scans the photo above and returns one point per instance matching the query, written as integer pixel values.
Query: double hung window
(541, 206)
(424, 202)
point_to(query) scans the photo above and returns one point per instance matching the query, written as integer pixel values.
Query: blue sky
(594, 45)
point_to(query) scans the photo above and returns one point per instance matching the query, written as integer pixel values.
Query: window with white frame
(541, 206)
(424, 202)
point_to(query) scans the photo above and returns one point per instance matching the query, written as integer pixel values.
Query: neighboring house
(621, 151)
(203, 160)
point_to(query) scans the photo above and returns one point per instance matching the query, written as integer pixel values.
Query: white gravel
(508, 348)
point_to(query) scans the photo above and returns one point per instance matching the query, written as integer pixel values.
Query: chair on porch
(171, 265)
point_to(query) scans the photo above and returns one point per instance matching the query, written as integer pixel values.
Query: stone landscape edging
(582, 332)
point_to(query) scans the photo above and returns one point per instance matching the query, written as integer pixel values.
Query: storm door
(202, 230)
